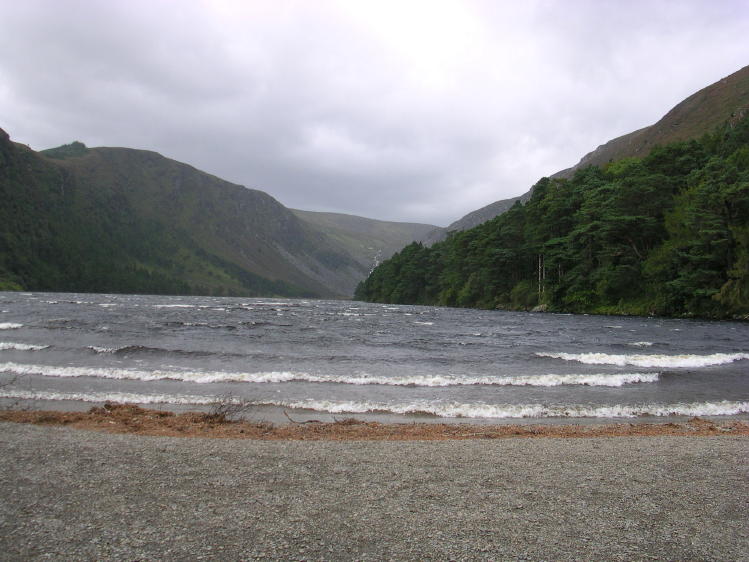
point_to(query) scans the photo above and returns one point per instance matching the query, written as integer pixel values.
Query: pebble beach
(80, 495)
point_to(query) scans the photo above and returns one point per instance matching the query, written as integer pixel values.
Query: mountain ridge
(371, 240)
(726, 99)
(128, 220)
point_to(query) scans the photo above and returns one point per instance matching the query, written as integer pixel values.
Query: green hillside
(665, 234)
(122, 220)
(368, 241)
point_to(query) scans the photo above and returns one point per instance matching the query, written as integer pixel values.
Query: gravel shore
(80, 495)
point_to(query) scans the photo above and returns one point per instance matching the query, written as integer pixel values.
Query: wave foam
(10, 326)
(282, 377)
(438, 409)
(108, 397)
(658, 361)
(6, 345)
(458, 410)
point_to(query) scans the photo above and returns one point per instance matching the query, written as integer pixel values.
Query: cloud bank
(416, 111)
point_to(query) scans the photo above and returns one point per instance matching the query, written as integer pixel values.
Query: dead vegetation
(128, 418)
(228, 407)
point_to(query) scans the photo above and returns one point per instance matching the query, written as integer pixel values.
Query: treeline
(667, 234)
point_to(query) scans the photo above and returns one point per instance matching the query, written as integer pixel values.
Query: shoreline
(298, 425)
(279, 415)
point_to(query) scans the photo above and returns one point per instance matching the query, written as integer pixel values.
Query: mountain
(122, 220)
(474, 218)
(667, 234)
(725, 100)
(368, 241)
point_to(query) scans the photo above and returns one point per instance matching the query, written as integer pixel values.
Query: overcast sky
(404, 110)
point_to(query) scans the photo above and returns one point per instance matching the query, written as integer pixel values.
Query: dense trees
(665, 234)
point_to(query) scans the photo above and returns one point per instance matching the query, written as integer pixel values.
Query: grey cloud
(404, 111)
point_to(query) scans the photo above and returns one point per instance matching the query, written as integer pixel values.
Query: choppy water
(338, 357)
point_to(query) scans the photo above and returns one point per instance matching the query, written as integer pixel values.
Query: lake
(325, 358)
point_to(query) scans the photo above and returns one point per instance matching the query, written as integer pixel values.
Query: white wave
(445, 410)
(108, 397)
(174, 306)
(10, 325)
(108, 304)
(659, 361)
(641, 344)
(98, 349)
(614, 380)
(458, 410)
(424, 323)
(6, 345)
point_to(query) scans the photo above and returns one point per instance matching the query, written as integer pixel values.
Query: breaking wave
(282, 377)
(6, 345)
(458, 410)
(10, 326)
(437, 409)
(658, 361)
(108, 397)
(130, 349)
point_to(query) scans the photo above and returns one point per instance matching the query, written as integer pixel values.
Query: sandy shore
(81, 495)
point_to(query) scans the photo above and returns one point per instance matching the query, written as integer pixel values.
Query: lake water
(341, 357)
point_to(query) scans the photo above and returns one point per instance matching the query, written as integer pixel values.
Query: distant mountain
(124, 220)
(725, 100)
(368, 241)
(474, 218)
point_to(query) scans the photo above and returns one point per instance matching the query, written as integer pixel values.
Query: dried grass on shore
(128, 418)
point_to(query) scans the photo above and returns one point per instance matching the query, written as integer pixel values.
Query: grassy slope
(699, 113)
(367, 240)
(690, 119)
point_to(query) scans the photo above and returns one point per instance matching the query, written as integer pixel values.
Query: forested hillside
(665, 234)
